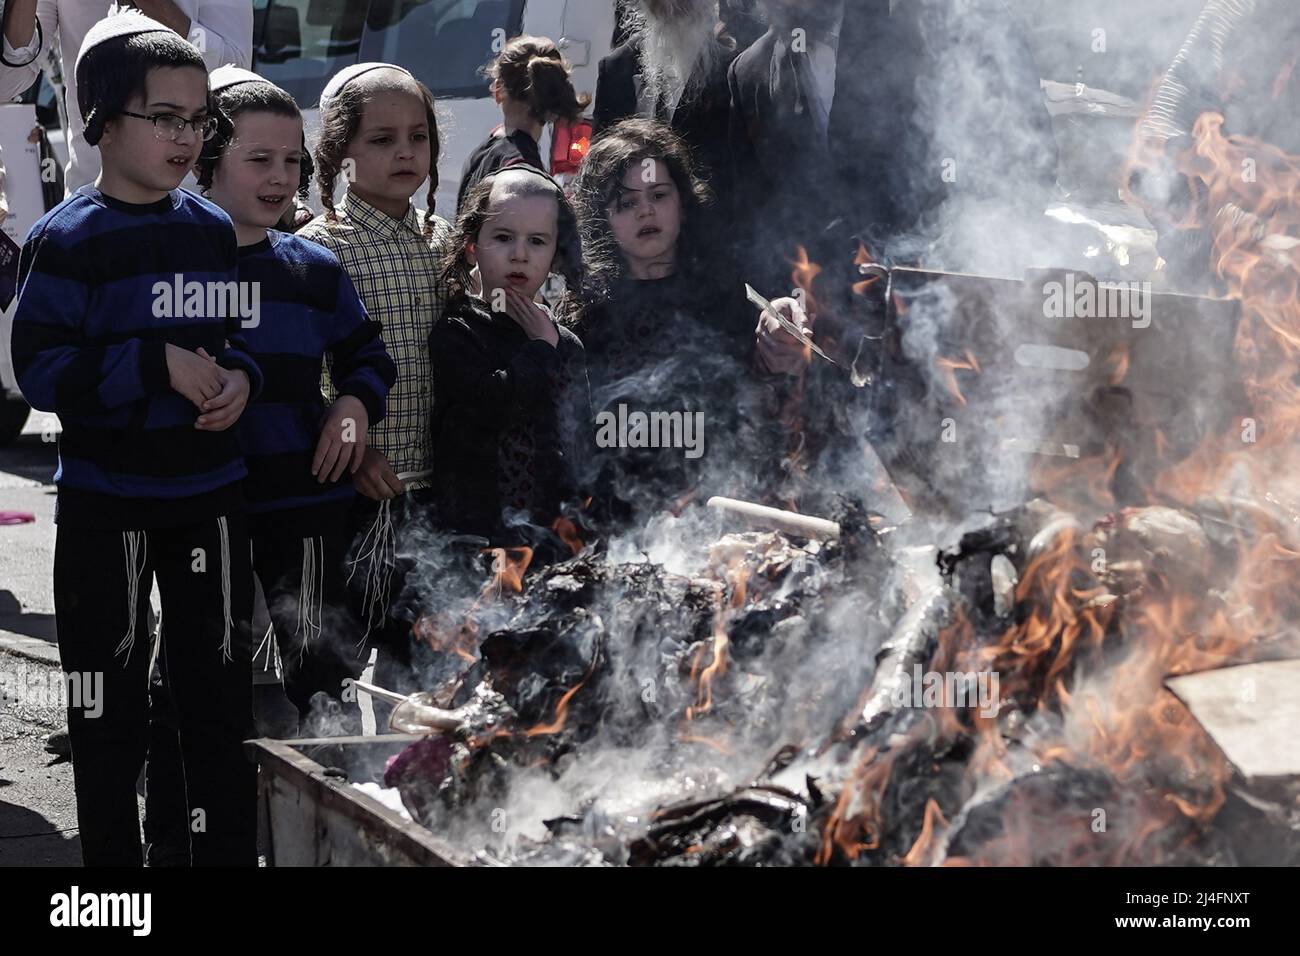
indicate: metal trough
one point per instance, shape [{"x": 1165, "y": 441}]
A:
[{"x": 309, "y": 814}]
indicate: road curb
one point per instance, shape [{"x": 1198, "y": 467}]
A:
[{"x": 31, "y": 648}]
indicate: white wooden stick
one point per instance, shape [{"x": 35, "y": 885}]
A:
[
  {"x": 375, "y": 691},
  {"x": 790, "y": 522}
]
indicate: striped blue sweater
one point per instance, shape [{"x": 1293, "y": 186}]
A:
[
  {"x": 308, "y": 309},
  {"x": 89, "y": 339}
]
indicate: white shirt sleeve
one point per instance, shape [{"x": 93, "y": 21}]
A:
[
  {"x": 15, "y": 79},
  {"x": 223, "y": 32}
]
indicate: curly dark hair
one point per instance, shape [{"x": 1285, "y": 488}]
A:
[
  {"x": 532, "y": 71},
  {"x": 600, "y": 183},
  {"x": 568, "y": 262},
  {"x": 341, "y": 119},
  {"x": 246, "y": 98},
  {"x": 115, "y": 70}
]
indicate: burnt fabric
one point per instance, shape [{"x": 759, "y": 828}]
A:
[
  {"x": 499, "y": 150},
  {"x": 204, "y": 578},
  {"x": 510, "y": 415}
]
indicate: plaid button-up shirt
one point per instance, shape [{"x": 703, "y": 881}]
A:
[{"x": 394, "y": 267}]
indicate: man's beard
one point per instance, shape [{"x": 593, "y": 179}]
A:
[{"x": 678, "y": 48}]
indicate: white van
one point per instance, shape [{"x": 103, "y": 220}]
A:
[{"x": 300, "y": 44}]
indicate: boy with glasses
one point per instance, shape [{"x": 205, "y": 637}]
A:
[{"x": 149, "y": 469}]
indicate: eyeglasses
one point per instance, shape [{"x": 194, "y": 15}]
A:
[{"x": 170, "y": 126}]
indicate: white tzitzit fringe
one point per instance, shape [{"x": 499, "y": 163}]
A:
[
  {"x": 135, "y": 547},
  {"x": 377, "y": 549},
  {"x": 225, "y": 586},
  {"x": 272, "y": 647},
  {"x": 267, "y": 640},
  {"x": 311, "y": 593}
]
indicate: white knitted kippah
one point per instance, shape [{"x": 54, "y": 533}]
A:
[
  {"x": 231, "y": 75},
  {"x": 118, "y": 23},
  {"x": 349, "y": 73}
]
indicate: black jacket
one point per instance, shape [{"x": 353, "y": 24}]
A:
[
  {"x": 496, "y": 152},
  {"x": 701, "y": 120},
  {"x": 902, "y": 105},
  {"x": 510, "y": 415},
  {"x": 665, "y": 346}
]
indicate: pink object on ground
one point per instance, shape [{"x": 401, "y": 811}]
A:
[{"x": 16, "y": 517}]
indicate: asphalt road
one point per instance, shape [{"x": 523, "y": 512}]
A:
[
  {"x": 27, "y": 550},
  {"x": 38, "y": 815}
]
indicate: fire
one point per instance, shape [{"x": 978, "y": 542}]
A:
[
  {"x": 948, "y": 370},
  {"x": 863, "y": 257},
  {"x": 568, "y": 532},
  {"x": 919, "y": 855},
  {"x": 1094, "y": 631},
  {"x": 441, "y": 635},
  {"x": 791, "y": 412},
  {"x": 1085, "y": 485},
  {"x": 804, "y": 273},
  {"x": 561, "y": 713},
  {"x": 855, "y": 824},
  {"x": 737, "y": 577},
  {"x": 508, "y": 567}
]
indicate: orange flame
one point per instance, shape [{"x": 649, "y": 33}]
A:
[
  {"x": 863, "y": 257},
  {"x": 948, "y": 370},
  {"x": 561, "y": 713},
  {"x": 568, "y": 532},
  {"x": 854, "y": 826},
  {"x": 919, "y": 855},
  {"x": 738, "y": 576},
  {"x": 441, "y": 635},
  {"x": 508, "y": 567}
]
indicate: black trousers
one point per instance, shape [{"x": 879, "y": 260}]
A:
[
  {"x": 299, "y": 560},
  {"x": 380, "y": 599},
  {"x": 102, "y": 581},
  {"x": 298, "y": 557}
]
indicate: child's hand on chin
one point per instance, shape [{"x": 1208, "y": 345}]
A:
[
  {"x": 342, "y": 443},
  {"x": 223, "y": 410},
  {"x": 375, "y": 479},
  {"x": 529, "y": 317}
]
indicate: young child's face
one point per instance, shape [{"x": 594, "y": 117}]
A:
[
  {"x": 155, "y": 163},
  {"x": 646, "y": 218},
  {"x": 258, "y": 174},
  {"x": 516, "y": 245},
  {"x": 390, "y": 150}
]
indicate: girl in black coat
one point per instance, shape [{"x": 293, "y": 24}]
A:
[
  {"x": 511, "y": 405},
  {"x": 667, "y": 332}
]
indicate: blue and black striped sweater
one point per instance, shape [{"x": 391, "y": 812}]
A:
[
  {"x": 89, "y": 339},
  {"x": 309, "y": 309}
]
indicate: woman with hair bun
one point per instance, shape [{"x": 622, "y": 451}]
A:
[{"x": 531, "y": 83}]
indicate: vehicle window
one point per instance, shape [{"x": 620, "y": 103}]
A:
[
  {"x": 445, "y": 43},
  {"x": 299, "y": 44}
]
